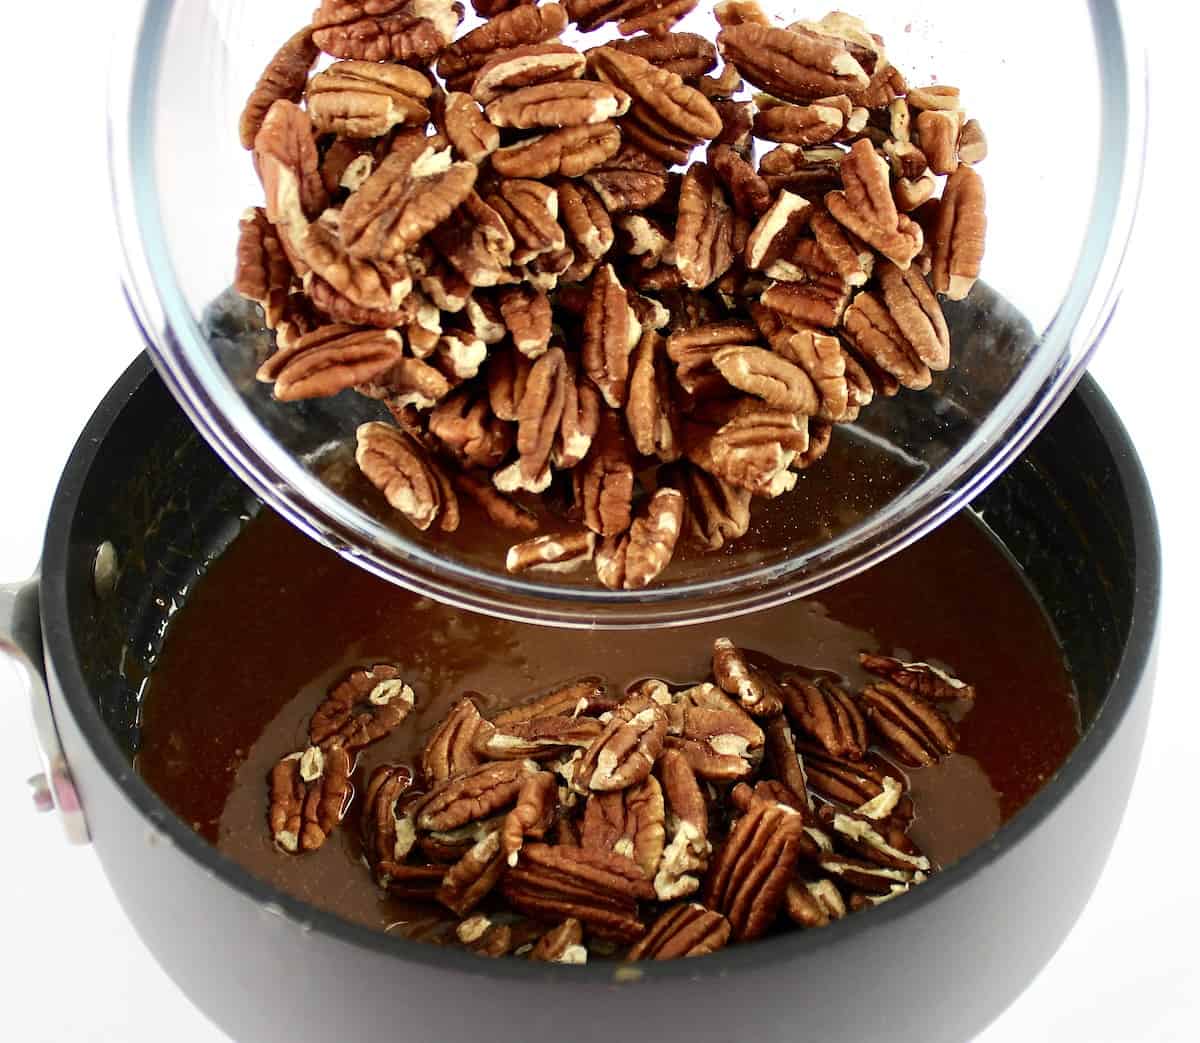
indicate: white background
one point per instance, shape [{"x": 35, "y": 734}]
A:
[{"x": 70, "y": 966}]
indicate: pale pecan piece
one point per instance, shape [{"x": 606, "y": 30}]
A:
[
  {"x": 818, "y": 122},
  {"x": 629, "y": 822},
  {"x": 329, "y": 360},
  {"x": 264, "y": 273},
  {"x": 786, "y": 763},
  {"x": 923, "y": 679},
  {"x": 688, "y": 55},
  {"x": 623, "y": 754},
  {"x": 852, "y": 33},
  {"x": 750, "y": 193},
  {"x": 569, "y": 151},
  {"x": 284, "y": 78},
  {"x": 472, "y": 136},
  {"x": 406, "y": 198},
  {"x": 867, "y": 208},
  {"x": 631, "y": 16},
  {"x": 531, "y": 815},
  {"x": 524, "y": 67},
  {"x": 716, "y": 511},
  {"x": 972, "y": 143},
  {"x": 777, "y": 231},
  {"x": 367, "y": 99},
  {"x": 398, "y": 466},
  {"x": 814, "y": 903},
  {"x": 934, "y": 98},
  {"x": 364, "y": 706},
  {"x": 683, "y": 930},
  {"x": 636, "y": 558},
  {"x": 704, "y": 229},
  {"x": 827, "y": 713},
  {"x": 739, "y": 12},
  {"x": 601, "y": 891},
  {"x": 562, "y": 944},
  {"x": 526, "y": 24},
  {"x": 285, "y": 156},
  {"x": 450, "y": 750},
  {"x": 309, "y": 794},
  {"x": 469, "y": 798},
  {"x": 686, "y": 852},
  {"x": 866, "y": 875},
  {"x": 958, "y": 234},
  {"x": 916, "y": 730},
  {"x": 530, "y": 210},
  {"x": 754, "y": 688},
  {"x": 388, "y": 834},
  {"x": 473, "y": 875},
  {"x": 585, "y": 219},
  {"x": 796, "y": 66},
  {"x": 847, "y": 257},
  {"x": 650, "y": 411},
  {"x": 748, "y": 879},
  {"x": 552, "y": 552},
  {"x": 610, "y": 331},
  {"x": 779, "y": 383},
  {"x": 631, "y": 180},
  {"x": 476, "y": 241},
  {"x": 407, "y": 31},
  {"x": 560, "y": 103},
  {"x": 883, "y": 843},
  {"x": 877, "y": 336}
]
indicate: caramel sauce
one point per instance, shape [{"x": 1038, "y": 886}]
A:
[{"x": 278, "y": 618}]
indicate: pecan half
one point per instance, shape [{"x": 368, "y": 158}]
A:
[
  {"x": 688, "y": 55},
  {"x": 915, "y": 309},
  {"x": 628, "y": 822},
  {"x": 704, "y": 229},
  {"x": 630, "y": 180},
  {"x": 264, "y": 273},
  {"x": 562, "y": 944},
  {"x": 464, "y": 423},
  {"x": 450, "y": 750},
  {"x": 814, "y": 903},
  {"x": 635, "y": 559},
  {"x": 552, "y": 552},
  {"x": 601, "y": 891},
  {"x": 959, "y": 234},
  {"x": 719, "y": 739},
  {"x": 473, "y": 796},
  {"x": 582, "y": 406},
  {"x": 285, "y": 77},
  {"x": 923, "y": 679},
  {"x": 754, "y": 688},
  {"x": 685, "y": 854},
  {"x": 631, "y": 16},
  {"x": 367, "y": 99},
  {"x": 853, "y": 783},
  {"x": 585, "y": 696},
  {"x": 867, "y": 209},
  {"x": 507, "y": 376},
  {"x": 473, "y": 875},
  {"x": 388, "y": 834},
  {"x": 309, "y": 794},
  {"x": 364, "y": 706},
  {"x": 785, "y": 762},
  {"x": 610, "y": 331},
  {"x": 779, "y": 383},
  {"x": 526, "y": 66},
  {"x": 650, "y": 411},
  {"x": 866, "y": 875},
  {"x": 285, "y": 155},
  {"x": 528, "y": 318},
  {"x": 937, "y": 131},
  {"x": 819, "y": 122},
  {"x": 569, "y": 151},
  {"x": 559, "y": 103},
  {"x": 917, "y": 731},
  {"x": 476, "y": 241},
  {"x": 544, "y": 736},
  {"x": 750, "y": 193},
  {"x": 530, "y": 210},
  {"x": 407, "y": 31},
  {"x": 410, "y": 382},
  {"x": 820, "y": 355},
  {"x": 847, "y": 257},
  {"x": 519, "y": 27},
  {"x": 811, "y": 172},
  {"x": 499, "y": 509},
  {"x": 472, "y": 136},
  {"x": 875, "y": 333},
  {"x": 585, "y": 219},
  {"x": 398, "y": 466},
  {"x": 823, "y": 710},
  {"x": 748, "y": 879},
  {"x": 883, "y": 843},
  {"x": 624, "y": 752},
  {"x": 339, "y": 308},
  {"x": 748, "y": 444},
  {"x": 329, "y": 360},
  {"x": 683, "y": 930},
  {"x": 531, "y": 815},
  {"x": 716, "y": 511},
  {"x": 972, "y": 143},
  {"x": 777, "y": 231},
  {"x": 795, "y": 66}
]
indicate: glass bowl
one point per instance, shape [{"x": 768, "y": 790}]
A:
[{"x": 1059, "y": 89}]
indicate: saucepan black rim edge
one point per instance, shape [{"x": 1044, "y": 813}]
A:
[{"x": 61, "y": 652}]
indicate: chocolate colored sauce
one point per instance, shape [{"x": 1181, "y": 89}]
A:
[{"x": 278, "y": 618}]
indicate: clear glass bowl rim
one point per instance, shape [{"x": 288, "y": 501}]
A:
[{"x": 226, "y": 423}]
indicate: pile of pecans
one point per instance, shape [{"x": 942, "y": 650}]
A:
[
  {"x": 658, "y": 823},
  {"x": 499, "y": 237}
]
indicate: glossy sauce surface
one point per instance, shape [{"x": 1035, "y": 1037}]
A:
[{"x": 278, "y": 619}]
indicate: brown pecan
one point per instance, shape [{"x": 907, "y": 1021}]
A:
[
  {"x": 285, "y": 155},
  {"x": 524, "y": 67},
  {"x": 521, "y": 26},
  {"x": 367, "y": 99},
  {"x": 819, "y": 355},
  {"x": 631, "y": 180},
  {"x": 473, "y": 875},
  {"x": 849, "y": 782},
  {"x": 814, "y": 124},
  {"x": 507, "y": 373},
  {"x": 958, "y": 234},
  {"x": 408, "y": 31},
  {"x": 463, "y": 422},
  {"x": 406, "y": 198},
  {"x": 528, "y": 318},
  {"x": 883, "y": 843},
  {"x": 471, "y": 797},
  {"x": 917, "y": 731},
  {"x": 923, "y": 679},
  {"x": 284, "y": 78},
  {"x": 777, "y": 231},
  {"x": 544, "y": 736},
  {"x": 450, "y": 750},
  {"x": 446, "y": 288},
  {"x": 739, "y": 12},
  {"x": 736, "y": 116},
  {"x": 484, "y": 937},
  {"x": 599, "y": 890},
  {"x": 569, "y": 151},
  {"x": 610, "y": 331},
  {"x": 867, "y": 209},
  {"x": 649, "y": 411},
  {"x": 915, "y": 309},
  {"x": 852, "y": 33},
  {"x": 410, "y": 382},
  {"x": 530, "y": 211},
  {"x": 631, "y": 16},
  {"x": 820, "y": 437},
  {"x": 476, "y": 241},
  {"x": 750, "y": 445},
  {"x": 562, "y": 944},
  {"x": 326, "y": 300},
  {"x": 582, "y": 407},
  {"x": 499, "y": 509},
  {"x": 309, "y": 794},
  {"x": 415, "y": 883},
  {"x": 754, "y": 688},
  {"x": 972, "y": 143},
  {"x": 716, "y": 511},
  {"x": 624, "y": 752},
  {"x": 531, "y": 815},
  {"x": 472, "y": 136},
  {"x": 823, "y": 710},
  {"x": 628, "y": 822},
  {"x": 795, "y": 66},
  {"x": 866, "y": 875},
  {"x": 873, "y": 330},
  {"x": 704, "y": 229},
  {"x": 559, "y": 103},
  {"x": 387, "y": 833},
  {"x": 847, "y": 257},
  {"x": 692, "y": 353},
  {"x": 363, "y": 707},
  {"x": 539, "y": 416},
  {"x": 718, "y": 737},
  {"x": 749, "y": 192},
  {"x": 811, "y": 172},
  {"x": 814, "y": 903},
  {"x": 779, "y": 383},
  {"x": 635, "y": 559},
  {"x": 264, "y": 273},
  {"x": 329, "y": 360},
  {"x": 937, "y": 131},
  {"x": 683, "y": 930},
  {"x": 646, "y": 239},
  {"x": 398, "y": 466},
  {"x": 687, "y": 848},
  {"x": 585, "y": 696},
  {"x": 688, "y": 55},
  {"x": 585, "y": 219},
  {"x": 785, "y": 763},
  {"x": 552, "y": 552},
  {"x": 748, "y": 879}
]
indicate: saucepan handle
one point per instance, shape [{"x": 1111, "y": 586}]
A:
[{"x": 21, "y": 644}]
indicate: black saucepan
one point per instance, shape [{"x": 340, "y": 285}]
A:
[{"x": 938, "y": 965}]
